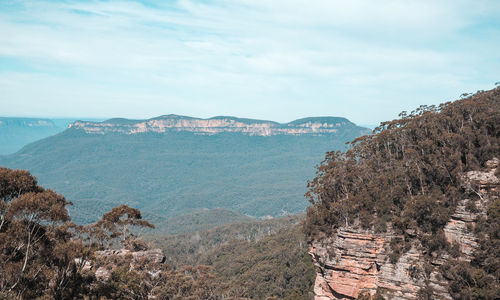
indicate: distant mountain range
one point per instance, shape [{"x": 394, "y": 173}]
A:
[
  {"x": 175, "y": 123},
  {"x": 174, "y": 165},
  {"x": 17, "y": 132}
]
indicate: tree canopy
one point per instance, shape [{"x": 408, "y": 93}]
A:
[
  {"x": 43, "y": 255},
  {"x": 408, "y": 176}
]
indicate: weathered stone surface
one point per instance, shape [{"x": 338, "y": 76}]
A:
[
  {"x": 487, "y": 182},
  {"x": 86, "y": 265},
  {"x": 459, "y": 229},
  {"x": 352, "y": 261},
  {"x": 174, "y": 123},
  {"x": 102, "y": 274},
  {"x": 138, "y": 260},
  {"x": 148, "y": 256}
]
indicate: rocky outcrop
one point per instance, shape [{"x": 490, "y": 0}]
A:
[
  {"x": 174, "y": 123},
  {"x": 458, "y": 230},
  {"x": 138, "y": 260},
  {"x": 353, "y": 261},
  {"x": 483, "y": 183},
  {"x": 148, "y": 256}
]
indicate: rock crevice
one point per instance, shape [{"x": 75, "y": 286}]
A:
[{"x": 353, "y": 261}]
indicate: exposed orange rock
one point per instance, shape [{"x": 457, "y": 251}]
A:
[{"x": 352, "y": 261}]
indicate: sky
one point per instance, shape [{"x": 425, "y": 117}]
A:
[{"x": 278, "y": 60}]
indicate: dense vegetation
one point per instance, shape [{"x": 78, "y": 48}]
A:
[
  {"x": 43, "y": 255},
  {"x": 408, "y": 176},
  {"x": 256, "y": 260},
  {"x": 276, "y": 267},
  {"x": 171, "y": 174},
  {"x": 198, "y": 220},
  {"x": 192, "y": 248}
]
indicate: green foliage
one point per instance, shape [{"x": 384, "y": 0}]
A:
[
  {"x": 44, "y": 256},
  {"x": 123, "y": 284},
  {"x": 199, "y": 220},
  {"x": 410, "y": 167},
  {"x": 428, "y": 211},
  {"x": 469, "y": 282},
  {"x": 37, "y": 248},
  {"x": 367, "y": 296},
  {"x": 256, "y": 260},
  {"x": 409, "y": 174},
  {"x": 274, "y": 266},
  {"x": 192, "y": 283},
  {"x": 191, "y": 248},
  {"x": 172, "y": 174},
  {"x": 479, "y": 279},
  {"x": 116, "y": 223}
]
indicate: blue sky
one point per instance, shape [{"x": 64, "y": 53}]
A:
[{"x": 273, "y": 59}]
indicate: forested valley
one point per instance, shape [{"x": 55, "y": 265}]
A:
[
  {"x": 44, "y": 255},
  {"x": 408, "y": 178}
]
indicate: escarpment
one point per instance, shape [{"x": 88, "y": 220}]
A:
[
  {"x": 412, "y": 211},
  {"x": 184, "y": 164},
  {"x": 354, "y": 261},
  {"x": 174, "y": 123}
]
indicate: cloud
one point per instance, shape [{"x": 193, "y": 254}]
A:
[{"x": 269, "y": 59}]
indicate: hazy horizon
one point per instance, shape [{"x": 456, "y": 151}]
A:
[
  {"x": 118, "y": 117},
  {"x": 279, "y": 60}
]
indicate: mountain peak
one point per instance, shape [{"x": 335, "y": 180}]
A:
[
  {"x": 174, "y": 116},
  {"x": 328, "y": 120}
]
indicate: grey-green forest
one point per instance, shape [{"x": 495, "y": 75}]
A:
[
  {"x": 407, "y": 176},
  {"x": 176, "y": 173},
  {"x": 18, "y": 132}
]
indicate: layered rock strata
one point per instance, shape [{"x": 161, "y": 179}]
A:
[
  {"x": 355, "y": 261},
  {"x": 174, "y": 123}
]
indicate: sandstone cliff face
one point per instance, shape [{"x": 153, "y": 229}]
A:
[
  {"x": 173, "y": 123},
  {"x": 353, "y": 261},
  {"x": 356, "y": 261}
]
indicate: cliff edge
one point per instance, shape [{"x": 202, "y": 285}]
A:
[
  {"x": 353, "y": 261},
  {"x": 413, "y": 210},
  {"x": 175, "y": 123}
]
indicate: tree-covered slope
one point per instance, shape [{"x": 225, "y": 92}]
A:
[
  {"x": 275, "y": 267},
  {"x": 173, "y": 173},
  {"x": 44, "y": 255},
  {"x": 197, "y": 220},
  {"x": 413, "y": 180},
  {"x": 191, "y": 248},
  {"x": 264, "y": 259}
]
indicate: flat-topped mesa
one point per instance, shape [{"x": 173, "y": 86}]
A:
[{"x": 215, "y": 125}]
